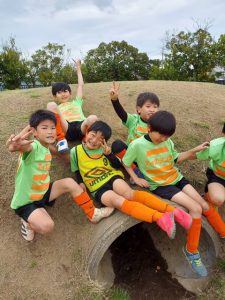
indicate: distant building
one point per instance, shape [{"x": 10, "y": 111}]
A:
[
  {"x": 219, "y": 74},
  {"x": 24, "y": 85}
]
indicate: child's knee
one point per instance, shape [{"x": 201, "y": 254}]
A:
[
  {"x": 70, "y": 184},
  {"x": 196, "y": 211},
  {"x": 52, "y": 106},
  {"x": 129, "y": 194},
  {"x": 91, "y": 119},
  {"x": 218, "y": 199},
  {"x": 47, "y": 226}
]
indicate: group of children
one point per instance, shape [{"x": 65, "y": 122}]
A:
[{"x": 148, "y": 156}]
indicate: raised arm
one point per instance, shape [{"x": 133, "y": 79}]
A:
[
  {"x": 79, "y": 78},
  {"x": 21, "y": 141},
  {"x": 114, "y": 94},
  {"x": 191, "y": 154}
]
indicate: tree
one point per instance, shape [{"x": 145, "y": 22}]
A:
[
  {"x": 220, "y": 51},
  {"x": 12, "y": 65},
  {"x": 48, "y": 63},
  {"x": 68, "y": 74},
  {"x": 192, "y": 55},
  {"x": 116, "y": 61}
]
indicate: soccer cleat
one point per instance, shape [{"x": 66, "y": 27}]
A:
[
  {"x": 100, "y": 213},
  {"x": 62, "y": 146},
  {"x": 26, "y": 231},
  {"x": 166, "y": 223},
  {"x": 183, "y": 218},
  {"x": 195, "y": 261}
]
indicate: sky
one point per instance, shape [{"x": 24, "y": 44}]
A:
[{"x": 83, "y": 24}]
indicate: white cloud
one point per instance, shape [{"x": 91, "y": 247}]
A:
[{"x": 82, "y": 25}]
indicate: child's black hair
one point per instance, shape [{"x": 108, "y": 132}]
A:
[
  {"x": 163, "y": 122},
  {"x": 144, "y": 97},
  {"x": 223, "y": 130},
  {"x": 41, "y": 115},
  {"x": 60, "y": 87},
  {"x": 102, "y": 127}
]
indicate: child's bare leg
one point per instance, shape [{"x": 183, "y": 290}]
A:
[
  {"x": 61, "y": 129},
  {"x": 87, "y": 123},
  {"x": 195, "y": 211},
  {"x": 139, "y": 211},
  {"x": 134, "y": 209},
  {"x": 53, "y": 107},
  {"x": 193, "y": 194},
  {"x": 186, "y": 201},
  {"x": 80, "y": 197},
  {"x": 63, "y": 186},
  {"x": 40, "y": 221},
  {"x": 121, "y": 188},
  {"x": 216, "y": 193},
  {"x": 146, "y": 198}
]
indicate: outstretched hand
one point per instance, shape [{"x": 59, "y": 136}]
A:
[
  {"x": 106, "y": 148},
  {"x": 114, "y": 91},
  {"x": 201, "y": 147},
  {"x": 77, "y": 62},
  {"x": 20, "y": 141}
]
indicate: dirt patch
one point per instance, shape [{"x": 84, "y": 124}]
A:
[
  {"x": 53, "y": 266},
  {"x": 140, "y": 269}
]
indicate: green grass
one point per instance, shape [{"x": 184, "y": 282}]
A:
[
  {"x": 119, "y": 294},
  {"x": 33, "y": 264},
  {"x": 221, "y": 264},
  {"x": 35, "y": 96},
  {"x": 221, "y": 122},
  {"x": 200, "y": 124}
]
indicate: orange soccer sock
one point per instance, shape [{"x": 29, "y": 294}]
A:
[
  {"x": 85, "y": 202},
  {"x": 209, "y": 200},
  {"x": 193, "y": 235},
  {"x": 59, "y": 131},
  {"x": 152, "y": 201},
  {"x": 140, "y": 211},
  {"x": 215, "y": 220}
]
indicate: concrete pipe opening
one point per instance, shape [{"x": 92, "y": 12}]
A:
[{"x": 100, "y": 267}]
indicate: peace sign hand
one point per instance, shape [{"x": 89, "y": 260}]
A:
[
  {"x": 114, "y": 91},
  {"x": 20, "y": 141},
  {"x": 106, "y": 149}
]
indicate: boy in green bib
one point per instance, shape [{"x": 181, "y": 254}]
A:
[
  {"x": 97, "y": 167},
  {"x": 157, "y": 159},
  {"x": 215, "y": 187},
  {"x": 33, "y": 189}
]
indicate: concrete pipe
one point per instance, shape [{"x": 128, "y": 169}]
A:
[{"x": 107, "y": 231}]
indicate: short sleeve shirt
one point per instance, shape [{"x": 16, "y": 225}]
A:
[
  {"x": 156, "y": 162},
  {"x": 72, "y": 111},
  {"x": 32, "y": 178},
  {"x": 136, "y": 127},
  {"x": 216, "y": 153}
]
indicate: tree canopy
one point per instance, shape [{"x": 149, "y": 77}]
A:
[
  {"x": 186, "y": 55},
  {"x": 12, "y": 65},
  {"x": 116, "y": 61},
  {"x": 191, "y": 55}
]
